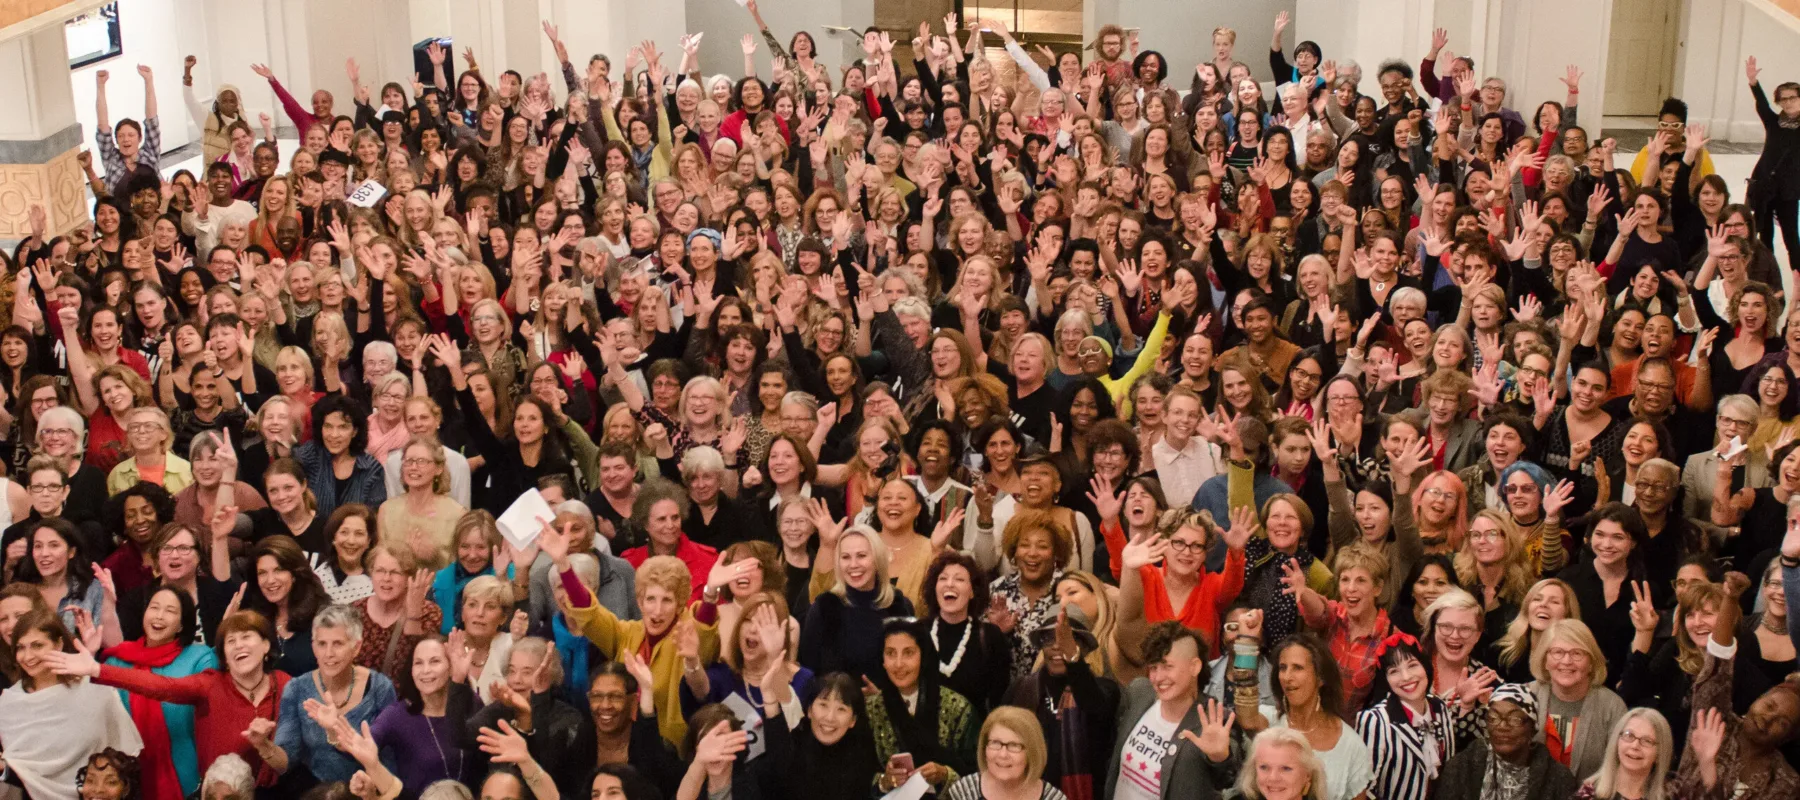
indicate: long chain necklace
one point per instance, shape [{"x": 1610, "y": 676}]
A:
[
  {"x": 962, "y": 647},
  {"x": 442, "y": 758}
]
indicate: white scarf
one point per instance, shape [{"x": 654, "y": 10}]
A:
[{"x": 49, "y": 734}]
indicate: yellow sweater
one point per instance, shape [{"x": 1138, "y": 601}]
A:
[{"x": 614, "y": 636}]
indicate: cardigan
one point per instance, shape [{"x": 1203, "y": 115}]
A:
[
  {"x": 1593, "y": 727},
  {"x": 221, "y": 712}
]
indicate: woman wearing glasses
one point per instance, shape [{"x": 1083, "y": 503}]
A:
[
  {"x": 1579, "y": 711},
  {"x": 1009, "y": 759},
  {"x": 1510, "y": 764},
  {"x": 1637, "y": 760},
  {"x": 149, "y": 436},
  {"x": 1163, "y": 568},
  {"x": 1452, "y": 633}
]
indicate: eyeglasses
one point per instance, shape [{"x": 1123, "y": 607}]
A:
[
  {"x": 419, "y": 462},
  {"x": 1656, "y": 487},
  {"x": 1507, "y": 718},
  {"x": 143, "y": 427},
  {"x": 1565, "y": 654},
  {"x": 44, "y": 488},
  {"x": 1734, "y": 421},
  {"x": 387, "y": 573},
  {"x": 1184, "y": 546},
  {"x": 1110, "y": 452},
  {"x": 1627, "y": 737},
  {"x": 1656, "y": 386},
  {"x": 615, "y": 697},
  {"x": 1010, "y": 747},
  {"x": 1456, "y": 631},
  {"x": 1482, "y": 536},
  {"x": 1520, "y": 488},
  {"x": 180, "y": 549},
  {"x": 1669, "y": 126},
  {"x": 56, "y": 431},
  {"x": 1439, "y": 494}
]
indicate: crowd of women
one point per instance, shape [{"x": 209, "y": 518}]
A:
[{"x": 909, "y": 430}]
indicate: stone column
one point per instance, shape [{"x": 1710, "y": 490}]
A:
[{"x": 39, "y": 136}]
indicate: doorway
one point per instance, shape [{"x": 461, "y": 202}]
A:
[{"x": 1640, "y": 60}]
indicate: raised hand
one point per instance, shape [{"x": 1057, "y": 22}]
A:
[
  {"x": 1106, "y": 501},
  {"x": 1216, "y": 723},
  {"x": 1643, "y": 613},
  {"x": 1144, "y": 550},
  {"x": 1243, "y": 526},
  {"x": 946, "y": 528}
]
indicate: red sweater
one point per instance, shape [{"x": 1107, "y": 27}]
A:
[{"x": 221, "y": 713}]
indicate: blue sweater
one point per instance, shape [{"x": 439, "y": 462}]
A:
[
  {"x": 446, "y": 591},
  {"x": 304, "y": 740},
  {"x": 179, "y": 717}
]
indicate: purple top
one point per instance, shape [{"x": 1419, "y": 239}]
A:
[{"x": 418, "y": 749}]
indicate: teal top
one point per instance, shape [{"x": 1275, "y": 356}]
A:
[{"x": 178, "y": 717}]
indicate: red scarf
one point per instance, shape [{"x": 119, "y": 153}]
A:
[{"x": 157, "y": 758}]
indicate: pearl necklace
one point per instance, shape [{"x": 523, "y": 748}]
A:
[{"x": 962, "y": 647}]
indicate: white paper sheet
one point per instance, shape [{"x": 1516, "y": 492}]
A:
[
  {"x": 914, "y": 788},
  {"x": 525, "y": 519}
]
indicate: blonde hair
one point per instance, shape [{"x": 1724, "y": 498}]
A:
[
  {"x": 1570, "y": 631},
  {"x": 878, "y": 552},
  {"x": 1025, "y": 725},
  {"x": 1516, "y": 569},
  {"x": 669, "y": 573},
  {"x": 1283, "y": 737},
  {"x": 1517, "y": 641}
]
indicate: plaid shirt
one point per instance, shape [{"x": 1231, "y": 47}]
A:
[
  {"x": 150, "y": 154},
  {"x": 1355, "y": 657}
]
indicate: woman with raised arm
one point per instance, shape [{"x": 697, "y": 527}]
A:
[
  {"x": 397, "y": 615},
  {"x": 229, "y": 702},
  {"x": 841, "y": 630},
  {"x": 314, "y": 703},
  {"x": 1181, "y": 588},
  {"x": 1740, "y": 754},
  {"x": 667, "y": 633}
]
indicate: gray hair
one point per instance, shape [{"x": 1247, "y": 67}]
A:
[
  {"x": 1656, "y": 787},
  {"x": 205, "y": 444},
  {"x": 576, "y": 508},
  {"x": 803, "y": 399},
  {"x": 232, "y": 770},
  {"x": 1407, "y": 294},
  {"x": 586, "y": 567},
  {"x": 700, "y": 460},
  {"x": 1741, "y": 403},
  {"x": 539, "y": 648},
  {"x": 341, "y": 617},
  {"x": 912, "y": 306},
  {"x": 65, "y": 415},
  {"x": 381, "y": 348},
  {"x": 446, "y": 789},
  {"x": 1282, "y": 737}
]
